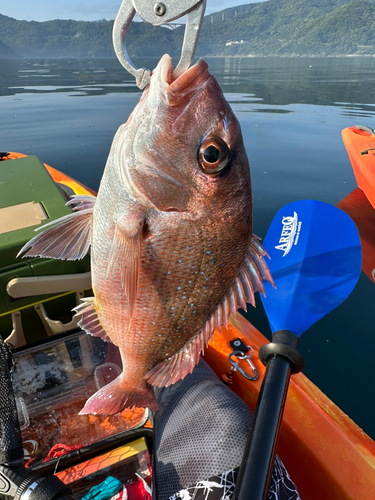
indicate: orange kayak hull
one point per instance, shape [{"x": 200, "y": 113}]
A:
[
  {"x": 360, "y": 145},
  {"x": 326, "y": 454},
  {"x": 362, "y": 212}
]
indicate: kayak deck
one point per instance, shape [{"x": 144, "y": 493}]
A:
[{"x": 326, "y": 454}]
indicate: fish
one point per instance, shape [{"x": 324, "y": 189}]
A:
[{"x": 169, "y": 235}]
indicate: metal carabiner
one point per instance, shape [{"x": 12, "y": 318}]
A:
[
  {"x": 157, "y": 14},
  {"x": 236, "y": 366}
]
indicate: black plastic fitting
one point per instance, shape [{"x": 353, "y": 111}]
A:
[{"x": 283, "y": 344}]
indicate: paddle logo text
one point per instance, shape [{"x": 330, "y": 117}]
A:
[{"x": 289, "y": 233}]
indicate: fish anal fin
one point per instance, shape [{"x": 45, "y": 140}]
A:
[
  {"x": 114, "y": 398},
  {"x": 67, "y": 238},
  {"x": 176, "y": 368},
  {"x": 89, "y": 321}
]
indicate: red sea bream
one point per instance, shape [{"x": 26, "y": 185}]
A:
[{"x": 172, "y": 249}]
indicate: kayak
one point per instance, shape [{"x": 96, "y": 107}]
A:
[
  {"x": 360, "y": 203},
  {"x": 359, "y": 142},
  {"x": 326, "y": 454},
  {"x": 359, "y": 208},
  {"x": 58, "y": 177}
]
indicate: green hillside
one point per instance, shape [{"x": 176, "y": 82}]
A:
[
  {"x": 349, "y": 29},
  {"x": 270, "y": 28},
  {"x": 69, "y": 38},
  {"x": 5, "y": 51},
  {"x": 293, "y": 28}
]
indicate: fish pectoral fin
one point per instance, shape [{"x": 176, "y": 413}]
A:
[
  {"x": 89, "y": 321},
  {"x": 114, "y": 397},
  {"x": 67, "y": 238},
  {"x": 125, "y": 257}
]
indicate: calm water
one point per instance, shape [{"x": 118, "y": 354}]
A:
[{"x": 291, "y": 111}]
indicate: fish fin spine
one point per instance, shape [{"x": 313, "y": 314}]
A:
[
  {"x": 67, "y": 238},
  {"x": 249, "y": 278},
  {"x": 89, "y": 321},
  {"x": 113, "y": 398},
  {"x": 257, "y": 253}
]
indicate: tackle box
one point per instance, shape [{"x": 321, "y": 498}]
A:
[
  {"x": 30, "y": 198},
  {"x": 99, "y": 457},
  {"x": 52, "y": 381}
]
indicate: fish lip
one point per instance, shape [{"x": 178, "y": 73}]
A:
[
  {"x": 172, "y": 87},
  {"x": 191, "y": 74},
  {"x": 165, "y": 67}
]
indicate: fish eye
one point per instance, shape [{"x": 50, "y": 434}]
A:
[{"x": 213, "y": 155}]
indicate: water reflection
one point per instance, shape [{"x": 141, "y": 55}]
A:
[
  {"x": 90, "y": 77},
  {"x": 281, "y": 81},
  {"x": 275, "y": 81}
]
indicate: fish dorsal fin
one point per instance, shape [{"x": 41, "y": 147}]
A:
[
  {"x": 248, "y": 281},
  {"x": 67, "y": 238},
  {"x": 89, "y": 321}
]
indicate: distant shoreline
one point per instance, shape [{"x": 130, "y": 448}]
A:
[{"x": 210, "y": 56}]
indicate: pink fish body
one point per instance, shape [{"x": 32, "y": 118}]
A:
[{"x": 172, "y": 250}]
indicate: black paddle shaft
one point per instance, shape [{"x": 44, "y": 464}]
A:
[{"x": 282, "y": 359}]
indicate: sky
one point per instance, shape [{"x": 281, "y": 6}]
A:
[{"x": 83, "y": 10}]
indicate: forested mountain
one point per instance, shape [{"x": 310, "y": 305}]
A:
[
  {"x": 5, "y": 51},
  {"x": 69, "y": 38},
  {"x": 295, "y": 27},
  {"x": 270, "y": 28}
]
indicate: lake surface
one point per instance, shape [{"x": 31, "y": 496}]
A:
[{"x": 291, "y": 112}]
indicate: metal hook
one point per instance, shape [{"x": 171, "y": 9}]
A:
[
  {"x": 160, "y": 13},
  {"x": 236, "y": 366}
]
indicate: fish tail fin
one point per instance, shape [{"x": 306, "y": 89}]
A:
[
  {"x": 114, "y": 398},
  {"x": 67, "y": 238}
]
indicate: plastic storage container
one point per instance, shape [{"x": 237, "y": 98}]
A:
[{"x": 52, "y": 382}]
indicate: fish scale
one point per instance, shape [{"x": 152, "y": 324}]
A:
[{"x": 172, "y": 250}]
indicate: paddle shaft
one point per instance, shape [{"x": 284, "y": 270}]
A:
[
  {"x": 281, "y": 359},
  {"x": 255, "y": 471}
]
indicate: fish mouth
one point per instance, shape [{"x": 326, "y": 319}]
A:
[{"x": 177, "y": 89}]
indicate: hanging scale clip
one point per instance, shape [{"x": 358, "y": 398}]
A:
[{"x": 158, "y": 13}]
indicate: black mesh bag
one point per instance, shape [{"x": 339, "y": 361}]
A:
[
  {"x": 10, "y": 435},
  {"x": 201, "y": 429}
]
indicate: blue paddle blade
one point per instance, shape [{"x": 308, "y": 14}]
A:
[{"x": 315, "y": 262}]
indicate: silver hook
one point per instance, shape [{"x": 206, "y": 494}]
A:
[
  {"x": 236, "y": 366},
  {"x": 160, "y": 13}
]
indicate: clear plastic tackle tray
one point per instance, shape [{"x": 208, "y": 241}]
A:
[{"x": 52, "y": 382}]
